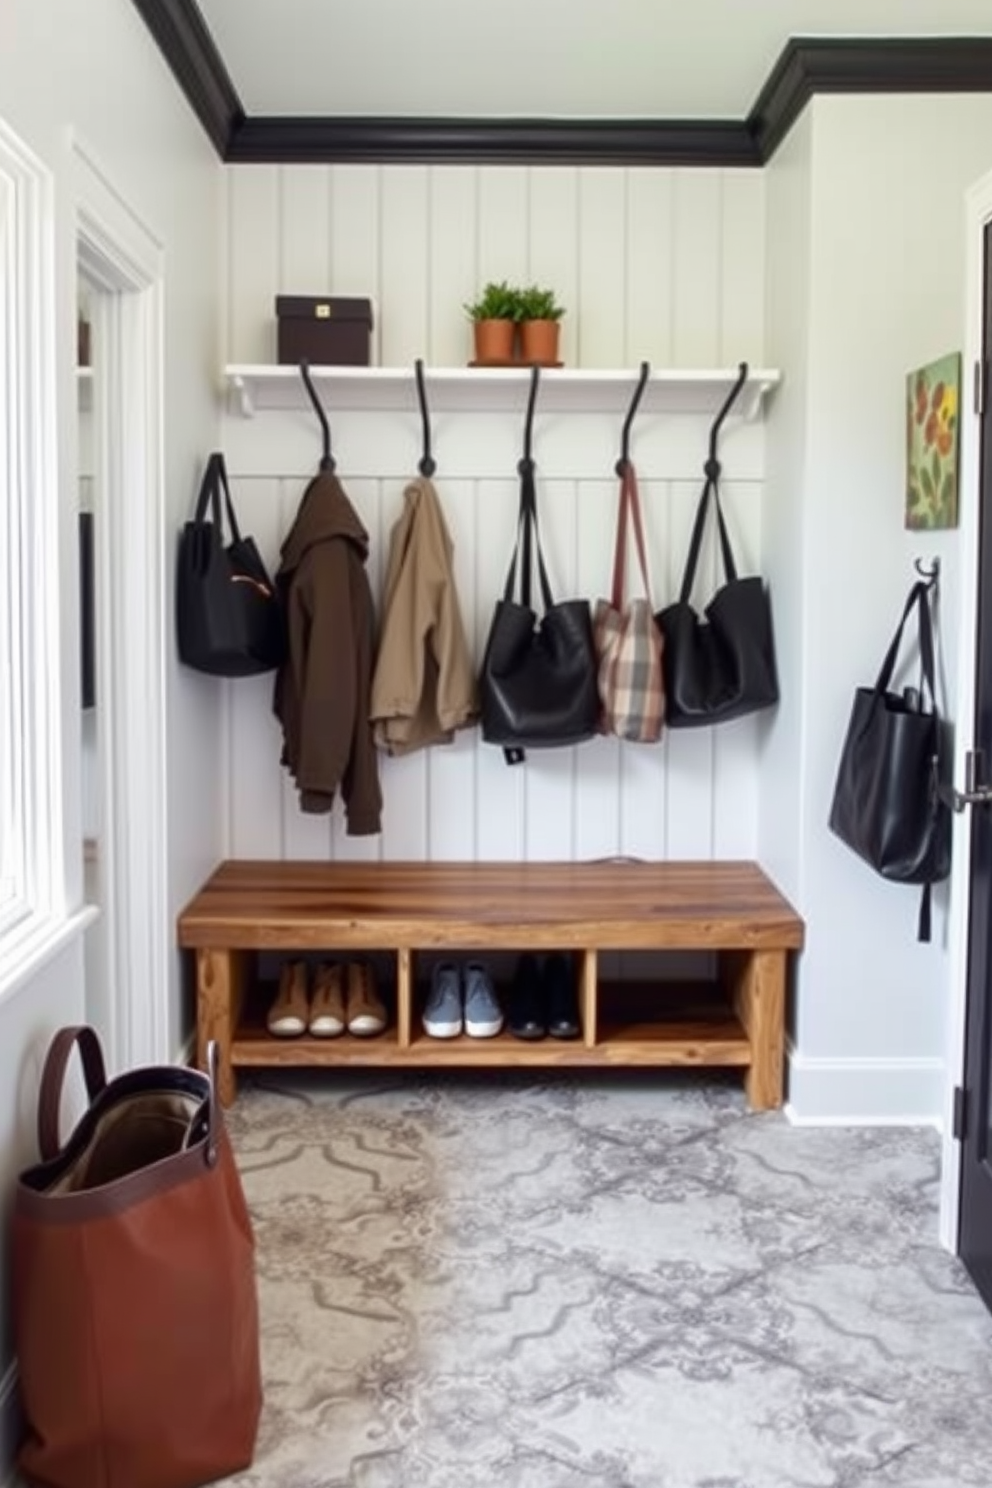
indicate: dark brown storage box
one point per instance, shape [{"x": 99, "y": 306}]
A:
[{"x": 328, "y": 332}]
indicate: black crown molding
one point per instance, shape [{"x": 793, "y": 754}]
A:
[
  {"x": 807, "y": 66},
  {"x": 934, "y": 64},
  {"x": 493, "y": 141},
  {"x": 198, "y": 67}
]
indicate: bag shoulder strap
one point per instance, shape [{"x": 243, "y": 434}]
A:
[
  {"x": 53, "y": 1078},
  {"x": 918, "y": 599},
  {"x": 213, "y": 483},
  {"x": 529, "y": 538},
  {"x": 629, "y": 502},
  {"x": 710, "y": 489}
]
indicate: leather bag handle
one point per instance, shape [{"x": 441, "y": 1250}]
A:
[
  {"x": 629, "y": 502},
  {"x": 213, "y": 483},
  {"x": 917, "y": 599},
  {"x": 53, "y": 1079},
  {"x": 711, "y": 488},
  {"x": 529, "y": 535}
]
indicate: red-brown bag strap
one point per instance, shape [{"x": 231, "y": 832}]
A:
[
  {"x": 53, "y": 1078},
  {"x": 629, "y": 498}
]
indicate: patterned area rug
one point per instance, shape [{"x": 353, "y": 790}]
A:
[{"x": 573, "y": 1283}]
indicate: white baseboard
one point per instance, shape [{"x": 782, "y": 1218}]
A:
[
  {"x": 11, "y": 1426},
  {"x": 865, "y": 1092}
]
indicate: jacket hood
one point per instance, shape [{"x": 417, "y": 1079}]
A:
[{"x": 324, "y": 513}]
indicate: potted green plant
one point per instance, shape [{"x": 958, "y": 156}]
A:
[
  {"x": 494, "y": 319},
  {"x": 539, "y": 314}
]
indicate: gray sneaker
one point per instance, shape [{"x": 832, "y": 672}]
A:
[
  {"x": 443, "y": 1012},
  {"x": 483, "y": 1014}
]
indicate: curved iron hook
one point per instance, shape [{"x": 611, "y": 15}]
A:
[
  {"x": 327, "y": 461},
  {"x": 713, "y": 464},
  {"x": 527, "y": 461},
  {"x": 642, "y": 382},
  {"x": 427, "y": 464},
  {"x": 930, "y": 574}
]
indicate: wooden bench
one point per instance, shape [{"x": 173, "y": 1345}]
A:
[{"x": 405, "y": 909}]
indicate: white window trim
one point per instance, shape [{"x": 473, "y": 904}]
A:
[{"x": 33, "y": 904}]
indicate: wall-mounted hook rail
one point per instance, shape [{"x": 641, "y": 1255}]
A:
[
  {"x": 427, "y": 465},
  {"x": 713, "y": 464},
  {"x": 327, "y": 461},
  {"x": 642, "y": 382}
]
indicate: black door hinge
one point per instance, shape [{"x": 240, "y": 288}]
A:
[{"x": 958, "y": 1119}]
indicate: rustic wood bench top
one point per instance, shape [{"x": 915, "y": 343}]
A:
[{"x": 255, "y": 905}]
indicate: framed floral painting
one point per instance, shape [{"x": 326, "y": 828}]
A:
[{"x": 933, "y": 397}]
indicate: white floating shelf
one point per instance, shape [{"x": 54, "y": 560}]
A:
[{"x": 251, "y": 389}]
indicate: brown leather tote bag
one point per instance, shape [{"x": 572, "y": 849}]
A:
[{"x": 134, "y": 1295}]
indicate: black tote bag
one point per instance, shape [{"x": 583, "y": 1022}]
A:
[
  {"x": 722, "y": 666},
  {"x": 538, "y": 682},
  {"x": 887, "y": 804},
  {"x": 228, "y": 616}
]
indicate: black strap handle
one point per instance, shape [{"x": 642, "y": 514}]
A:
[
  {"x": 918, "y": 599},
  {"x": 212, "y": 486},
  {"x": 529, "y": 539},
  {"x": 710, "y": 490},
  {"x": 642, "y": 382},
  {"x": 53, "y": 1079}
]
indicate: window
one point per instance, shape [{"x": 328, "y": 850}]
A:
[{"x": 31, "y": 885}]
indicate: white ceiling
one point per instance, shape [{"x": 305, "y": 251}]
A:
[{"x": 551, "y": 58}]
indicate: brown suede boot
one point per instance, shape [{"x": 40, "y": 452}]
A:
[
  {"x": 327, "y": 1015},
  {"x": 289, "y": 1013},
  {"x": 365, "y": 1011}
]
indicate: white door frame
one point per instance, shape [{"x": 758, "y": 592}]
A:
[
  {"x": 978, "y": 213},
  {"x": 122, "y": 257}
]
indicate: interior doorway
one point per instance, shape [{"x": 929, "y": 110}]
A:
[{"x": 121, "y": 272}]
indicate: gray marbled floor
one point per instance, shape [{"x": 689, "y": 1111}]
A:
[{"x": 567, "y": 1283}]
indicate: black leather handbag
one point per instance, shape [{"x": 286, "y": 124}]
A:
[
  {"x": 228, "y": 617},
  {"x": 722, "y": 666},
  {"x": 887, "y": 804},
  {"x": 538, "y": 682}
]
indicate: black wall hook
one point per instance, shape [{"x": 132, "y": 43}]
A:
[
  {"x": 713, "y": 464},
  {"x": 327, "y": 462},
  {"x": 930, "y": 573},
  {"x": 642, "y": 382},
  {"x": 527, "y": 462},
  {"x": 426, "y": 466}
]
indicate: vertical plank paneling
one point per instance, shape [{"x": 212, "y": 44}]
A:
[
  {"x": 503, "y": 232},
  {"x": 405, "y": 278},
  {"x": 553, "y": 248},
  {"x": 500, "y": 788},
  {"x": 735, "y": 744},
  {"x": 304, "y": 835},
  {"x": 597, "y": 764},
  {"x": 666, "y": 265},
  {"x": 550, "y": 773},
  {"x": 452, "y": 263},
  {"x": 689, "y": 804},
  {"x": 253, "y": 733},
  {"x": 355, "y": 238},
  {"x": 696, "y": 247},
  {"x": 602, "y": 317},
  {"x": 650, "y": 303},
  {"x": 368, "y": 498},
  {"x": 742, "y": 297},
  {"x": 305, "y": 230},
  {"x": 451, "y": 767},
  {"x": 253, "y": 270}
]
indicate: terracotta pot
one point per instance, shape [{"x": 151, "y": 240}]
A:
[
  {"x": 539, "y": 341},
  {"x": 494, "y": 341}
]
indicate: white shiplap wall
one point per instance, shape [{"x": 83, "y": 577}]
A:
[{"x": 666, "y": 265}]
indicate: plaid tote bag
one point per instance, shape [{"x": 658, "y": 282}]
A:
[{"x": 628, "y": 642}]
